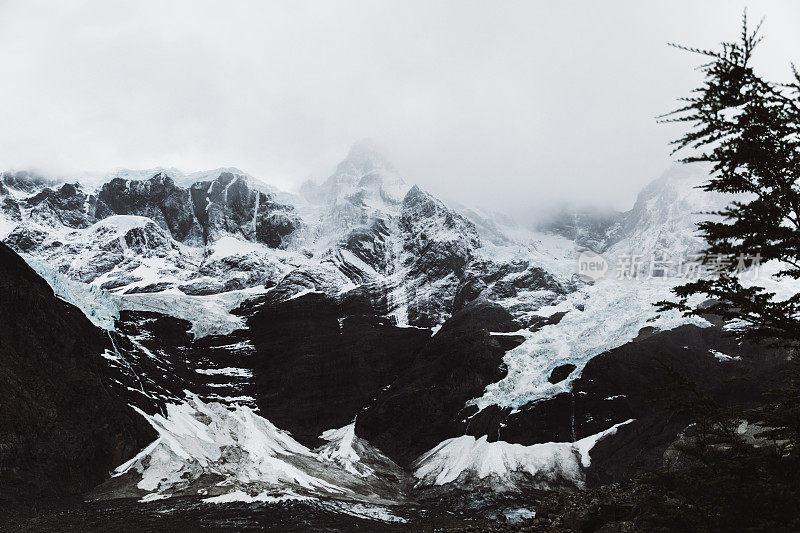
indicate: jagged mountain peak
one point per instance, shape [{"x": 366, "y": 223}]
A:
[
  {"x": 420, "y": 204},
  {"x": 27, "y": 180},
  {"x": 415, "y": 190},
  {"x": 664, "y": 219},
  {"x": 178, "y": 176},
  {"x": 365, "y": 174},
  {"x": 368, "y": 156}
]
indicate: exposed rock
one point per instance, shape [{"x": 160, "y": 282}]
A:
[
  {"x": 153, "y": 365},
  {"x": 62, "y": 425},
  {"x": 25, "y": 238},
  {"x": 101, "y": 263},
  {"x": 246, "y": 270},
  {"x": 438, "y": 243},
  {"x": 158, "y": 198},
  {"x": 641, "y": 380},
  {"x": 538, "y": 322},
  {"x": 153, "y": 287},
  {"x": 9, "y": 207},
  {"x": 317, "y": 363},
  {"x": 202, "y": 287},
  {"x": 560, "y": 373},
  {"x": 372, "y": 245},
  {"x": 608, "y": 509},
  {"x": 228, "y": 205},
  {"x": 520, "y": 285},
  {"x": 425, "y": 404},
  {"x": 324, "y": 278},
  {"x": 118, "y": 282},
  {"x": 65, "y": 206}
]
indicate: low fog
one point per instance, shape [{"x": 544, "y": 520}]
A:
[{"x": 508, "y": 106}]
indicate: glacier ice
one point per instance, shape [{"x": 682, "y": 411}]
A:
[
  {"x": 611, "y": 313},
  {"x": 98, "y": 305}
]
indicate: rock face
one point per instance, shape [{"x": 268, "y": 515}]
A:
[
  {"x": 318, "y": 362},
  {"x": 25, "y": 238},
  {"x": 203, "y": 213},
  {"x": 10, "y": 208},
  {"x": 518, "y": 284},
  {"x": 425, "y": 404},
  {"x": 229, "y": 205},
  {"x": 158, "y": 198},
  {"x": 63, "y": 427},
  {"x": 644, "y": 380},
  {"x": 65, "y": 206},
  {"x": 362, "y": 229},
  {"x": 332, "y": 335},
  {"x": 438, "y": 244}
]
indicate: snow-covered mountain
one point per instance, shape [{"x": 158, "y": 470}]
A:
[
  {"x": 361, "y": 229},
  {"x": 363, "y": 342}
]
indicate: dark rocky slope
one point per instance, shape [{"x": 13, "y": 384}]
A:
[
  {"x": 158, "y": 198},
  {"x": 425, "y": 405},
  {"x": 646, "y": 380},
  {"x": 62, "y": 426},
  {"x": 208, "y": 209},
  {"x": 438, "y": 244},
  {"x": 318, "y": 362}
]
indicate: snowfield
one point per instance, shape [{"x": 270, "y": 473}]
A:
[
  {"x": 198, "y": 440},
  {"x": 230, "y": 453}
]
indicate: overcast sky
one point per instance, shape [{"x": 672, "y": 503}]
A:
[{"x": 489, "y": 103}]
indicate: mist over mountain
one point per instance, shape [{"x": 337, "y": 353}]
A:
[
  {"x": 510, "y": 109},
  {"x": 371, "y": 266},
  {"x": 450, "y": 334}
]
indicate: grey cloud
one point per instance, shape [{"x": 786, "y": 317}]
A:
[{"x": 513, "y": 105}]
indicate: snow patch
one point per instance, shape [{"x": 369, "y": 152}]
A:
[
  {"x": 262, "y": 497},
  {"x": 723, "y": 357},
  {"x": 227, "y": 371},
  {"x": 229, "y": 245},
  {"x": 340, "y": 450},
  {"x": 209, "y": 441},
  {"x": 549, "y": 462}
]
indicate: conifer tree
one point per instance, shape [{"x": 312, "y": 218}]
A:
[{"x": 748, "y": 129}]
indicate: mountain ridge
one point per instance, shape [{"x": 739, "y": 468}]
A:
[{"x": 401, "y": 327}]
